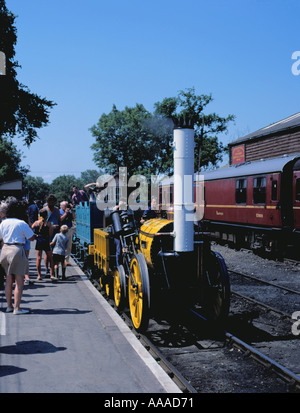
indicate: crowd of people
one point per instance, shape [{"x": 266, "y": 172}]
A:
[{"x": 50, "y": 226}]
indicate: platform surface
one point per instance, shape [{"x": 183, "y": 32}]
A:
[{"x": 72, "y": 342}]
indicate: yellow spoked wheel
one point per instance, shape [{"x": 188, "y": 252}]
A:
[
  {"x": 139, "y": 292},
  {"x": 120, "y": 287}
]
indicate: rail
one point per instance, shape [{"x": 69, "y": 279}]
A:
[{"x": 284, "y": 373}]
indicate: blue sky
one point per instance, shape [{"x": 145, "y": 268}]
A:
[{"x": 87, "y": 56}]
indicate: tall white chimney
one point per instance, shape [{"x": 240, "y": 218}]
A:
[{"x": 183, "y": 189}]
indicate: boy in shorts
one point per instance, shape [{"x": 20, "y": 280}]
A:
[{"x": 59, "y": 245}]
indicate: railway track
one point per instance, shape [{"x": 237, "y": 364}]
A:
[
  {"x": 202, "y": 358},
  {"x": 273, "y": 296},
  {"x": 270, "y": 308}
]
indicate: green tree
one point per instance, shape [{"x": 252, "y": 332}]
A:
[
  {"x": 89, "y": 176},
  {"x": 128, "y": 138},
  {"x": 142, "y": 141},
  {"x": 36, "y": 188},
  {"x": 189, "y": 107},
  {"x": 21, "y": 112},
  {"x": 10, "y": 161},
  {"x": 61, "y": 187}
]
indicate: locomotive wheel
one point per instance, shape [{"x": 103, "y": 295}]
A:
[
  {"x": 139, "y": 292},
  {"x": 217, "y": 289},
  {"x": 120, "y": 287}
]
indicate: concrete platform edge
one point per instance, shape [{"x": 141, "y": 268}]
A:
[{"x": 163, "y": 378}]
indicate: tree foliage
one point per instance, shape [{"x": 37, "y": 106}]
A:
[
  {"x": 10, "y": 161},
  {"x": 35, "y": 188},
  {"x": 142, "y": 141},
  {"x": 21, "y": 112},
  {"x": 61, "y": 187},
  {"x": 89, "y": 176},
  {"x": 189, "y": 107},
  {"x": 124, "y": 139}
]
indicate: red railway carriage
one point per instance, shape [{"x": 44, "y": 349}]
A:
[
  {"x": 256, "y": 204},
  {"x": 248, "y": 194},
  {"x": 244, "y": 200}
]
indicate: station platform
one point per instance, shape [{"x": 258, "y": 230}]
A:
[{"x": 72, "y": 342}]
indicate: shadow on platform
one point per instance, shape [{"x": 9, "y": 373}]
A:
[{"x": 30, "y": 347}]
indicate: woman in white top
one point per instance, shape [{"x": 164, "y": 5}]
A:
[{"x": 14, "y": 232}]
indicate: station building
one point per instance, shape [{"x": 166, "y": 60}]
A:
[
  {"x": 277, "y": 139},
  {"x": 11, "y": 188}
]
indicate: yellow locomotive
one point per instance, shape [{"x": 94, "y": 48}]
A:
[{"x": 139, "y": 265}]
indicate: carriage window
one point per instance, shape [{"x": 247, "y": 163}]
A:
[
  {"x": 298, "y": 189},
  {"x": 259, "y": 190},
  {"x": 274, "y": 196},
  {"x": 241, "y": 191}
]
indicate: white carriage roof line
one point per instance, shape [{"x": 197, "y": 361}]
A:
[{"x": 260, "y": 167}]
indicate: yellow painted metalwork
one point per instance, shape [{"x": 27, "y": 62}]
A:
[
  {"x": 135, "y": 294},
  {"x": 147, "y": 236},
  {"x": 101, "y": 250},
  {"x": 117, "y": 288}
]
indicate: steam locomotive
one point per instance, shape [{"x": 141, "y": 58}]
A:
[{"x": 141, "y": 265}]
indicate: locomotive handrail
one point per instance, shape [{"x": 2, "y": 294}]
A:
[{"x": 172, "y": 234}]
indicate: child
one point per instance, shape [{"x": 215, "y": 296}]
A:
[{"x": 60, "y": 243}]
